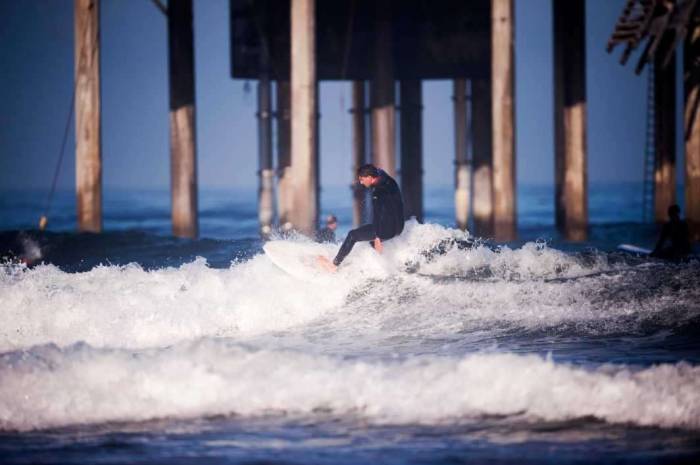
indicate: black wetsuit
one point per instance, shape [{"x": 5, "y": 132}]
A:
[
  {"x": 326, "y": 235},
  {"x": 387, "y": 216},
  {"x": 677, "y": 232}
]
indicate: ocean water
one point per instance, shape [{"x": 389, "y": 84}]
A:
[{"x": 132, "y": 346}]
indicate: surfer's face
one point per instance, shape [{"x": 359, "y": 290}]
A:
[{"x": 366, "y": 181}]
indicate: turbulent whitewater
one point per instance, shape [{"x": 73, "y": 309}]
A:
[{"x": 427, "y": 333}]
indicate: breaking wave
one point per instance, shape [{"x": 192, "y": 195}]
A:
[
  {"x": 49, "y": 387},
  {"x": 121, "y": 343},
  {"x": 403, "y": 292}
]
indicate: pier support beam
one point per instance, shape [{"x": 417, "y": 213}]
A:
[
  {"x": 412, "y": 148},
  {"x": 462, "y": 168},
  {"x": 183, "y": 152},
  {"x": 359, "y": 155},
  {"x": 503, "y": 77},
  {"x": 665, "y": 137},
  {"x": 266, "y": 207},
  {"x": 304, "y": 123},
  {"x": 383, "y": 93},
  {"x": 482, "y": 158},
  {"x": 88, "y": 126},
  {"x": 691, "y": 114},
  {"x": 570, "y": 166},
  {"x": 284, "y": 156}
]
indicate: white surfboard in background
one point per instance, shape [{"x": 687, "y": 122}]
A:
[{"x": 633, "y": 249}]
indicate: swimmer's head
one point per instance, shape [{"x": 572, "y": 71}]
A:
[
  {"x": 674, "y": 212},
  {"x": 331, "y": 222}
]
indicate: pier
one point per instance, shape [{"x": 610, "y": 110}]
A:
[{"x": 384, "y": 50}]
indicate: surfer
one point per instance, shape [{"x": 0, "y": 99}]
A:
[
  {"x": 327, "y": 233},
  {"x": 675, "y": 230},
  {"x": 387, "y": 215}
]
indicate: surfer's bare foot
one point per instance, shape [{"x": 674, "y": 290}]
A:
[{"x": 326, "y": 264}]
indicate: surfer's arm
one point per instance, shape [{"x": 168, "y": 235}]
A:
[{"x": 376, "y": 211}]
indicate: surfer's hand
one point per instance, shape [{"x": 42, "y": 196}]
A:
[
  {"x": 378, "y": 245},
  {"x": 326, "y": 264}
]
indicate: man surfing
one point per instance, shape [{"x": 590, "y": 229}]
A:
[{"x": 387, "y": 215}]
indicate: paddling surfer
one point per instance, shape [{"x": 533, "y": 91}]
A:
[
  {"x": 387, "y": 215},
  {"x": 327, "y": 233}
]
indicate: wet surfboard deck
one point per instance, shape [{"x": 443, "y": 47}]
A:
[{"x": 300, "y": 260}]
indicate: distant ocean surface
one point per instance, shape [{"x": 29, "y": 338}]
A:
[{"x": 133, "y": 346}]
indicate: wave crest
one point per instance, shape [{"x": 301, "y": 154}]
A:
[{"x": 49, "y": 387}]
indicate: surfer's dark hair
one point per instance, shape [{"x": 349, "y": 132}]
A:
[
  {"x": 367, "y": 170},
  {"x": 674, "y": 210}
]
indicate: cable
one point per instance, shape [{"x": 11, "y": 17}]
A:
[{"x": 43, "y": 221}]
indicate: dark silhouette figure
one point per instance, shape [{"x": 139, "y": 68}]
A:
[
  {"x": 676, "y": 231},
  {"x": 327, "y": 233}
]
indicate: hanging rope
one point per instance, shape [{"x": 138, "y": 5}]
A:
[
  {"x": 43, "y": 221},
  {"x": 158, "y": 4}
]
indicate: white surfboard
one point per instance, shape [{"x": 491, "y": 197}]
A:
[
  {"x": 298, "y": 259},
  {"x": 633, "y": 249}
]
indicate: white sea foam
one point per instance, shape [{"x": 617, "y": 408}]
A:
[
  {"x": 130, "y": 307},
  {"x": 47, "y": 387},
  {"x": 373, "y": 298}
]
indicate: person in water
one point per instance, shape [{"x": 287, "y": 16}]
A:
[
  {"x": 675, "y": 230},
  {"x": 327, "y": 233},
  {"x": 387, "y": 214}
]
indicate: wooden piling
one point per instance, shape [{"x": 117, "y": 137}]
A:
[
  {"x": 691, "y": 115},
  {"x": 183, "y": 156},
  {"x": 359, "y": 156},
  {"x": 383, "y": 93},
  {"x": 88, "y": 128},
  {"x": 462, "y": 168},
  {"x": 503, "y": 107},
  {"x": 665, "y": 137},
  {"x": 571, "y": 177},
  {"x": 266, "y": 207},
  {"x": 284, "y": 156},
  {"x": 482, "y": 157},
  {"x": 304, "y": 122},
  {"x": 411, "y": 125}
]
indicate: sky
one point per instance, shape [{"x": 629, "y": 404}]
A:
[{"x": 36, "y": 79}]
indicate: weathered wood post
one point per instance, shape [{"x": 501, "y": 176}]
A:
[
  {"x": 462, "y": 168},
  {"x": 482, "y": 157},
  {"x": 266, "y": 207},
  {"x": 691, "y": 116},
  {"x": 183, "y": 155},
  {"x": 571, "y": 197},
  {"x": 411, "y": 129},
  {"x": 383, "y": 93},
  {"x": 304, "y": 121},
  {"x": 665, "y": 137},
  {"x": 359, "y": 156},
  {"x": 503, "y": 77},
  {"x": 284, "y": 156},
  {"x": 88, "y": 126}
]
